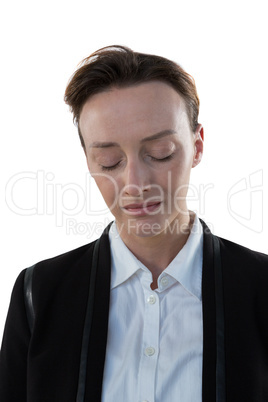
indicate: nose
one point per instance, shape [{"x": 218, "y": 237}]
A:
[{"x": 136, "y": 179}]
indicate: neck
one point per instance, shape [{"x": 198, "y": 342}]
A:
[{"x": 157, "y": 252}]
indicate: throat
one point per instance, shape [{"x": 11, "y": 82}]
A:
[
  {"x": 154, "y": 284},
  {"x": 157, "y": 252}
]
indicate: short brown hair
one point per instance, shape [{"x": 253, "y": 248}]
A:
[{"x": 119, "y": 66}]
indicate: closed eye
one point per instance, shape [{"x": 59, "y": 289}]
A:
[
  {"x": 166, "y": 158},
  {"x": 112, "y": 167}
]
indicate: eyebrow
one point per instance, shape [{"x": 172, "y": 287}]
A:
[{"x": 156, "y": 136}]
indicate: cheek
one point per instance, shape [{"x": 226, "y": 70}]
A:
[
  {"x": 184, "y": 164},
  {"x": 107, "y": 186},
  {"x": 179, "y": 177}
]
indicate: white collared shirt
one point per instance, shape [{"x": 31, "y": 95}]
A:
[{"x": 155, "y": 337}]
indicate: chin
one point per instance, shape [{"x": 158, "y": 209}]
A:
[{"x": 144, "y": 228}]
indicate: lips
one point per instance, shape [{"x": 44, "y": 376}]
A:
[{"x": 142, "y": 208}]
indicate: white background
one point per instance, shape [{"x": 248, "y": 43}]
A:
[{"x": 223, "y": 44}]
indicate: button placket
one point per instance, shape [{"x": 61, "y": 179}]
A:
[
  {"x": 152, "y": 320},
  {"x": 151, "y": 299},
  {"x": 150, "y": 351},
  {"x": 149, "y": 357}
]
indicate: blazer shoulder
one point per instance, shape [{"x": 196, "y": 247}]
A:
[
  {"x": 66, "y": 259},
  {"x": 74, "y": 258},
  {"x": 64, "y": 276},
  {"x": 242, "y": 250},
  {"x": 241, "y": 256},
  {"x": 70, "y": 267},
  {"x": 234, "y": 249},
  {"x": 63, "y": 266}
]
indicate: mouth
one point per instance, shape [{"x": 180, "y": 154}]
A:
[{"x": 142, "y": 208}]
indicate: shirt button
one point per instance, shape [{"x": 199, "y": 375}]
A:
[
  {"x": 151, "y": 299},
  {"x": 164, "y": 281},
  {"x": 150, "y": 351}
]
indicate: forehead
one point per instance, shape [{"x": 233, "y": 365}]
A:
[{"x": 151, "y": 106}]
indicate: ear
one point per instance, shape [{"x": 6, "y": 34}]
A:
[{"x": 198, "y": 145}]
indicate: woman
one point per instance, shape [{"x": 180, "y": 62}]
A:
[{"x": 132, "y": 317}]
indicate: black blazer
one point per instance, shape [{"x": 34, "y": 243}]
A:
[{"x": 44, "y": 366}]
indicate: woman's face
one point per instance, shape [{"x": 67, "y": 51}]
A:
[{"x": 140, "y": 151}]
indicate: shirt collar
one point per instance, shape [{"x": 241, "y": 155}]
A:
[
  {"x": 124, "y": 262},
  {"x": 186, "y": 267}
]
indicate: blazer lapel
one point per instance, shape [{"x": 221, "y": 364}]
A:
[
  {"x": 209, "y": 319},
  {"x": 99, "y": 328}
]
